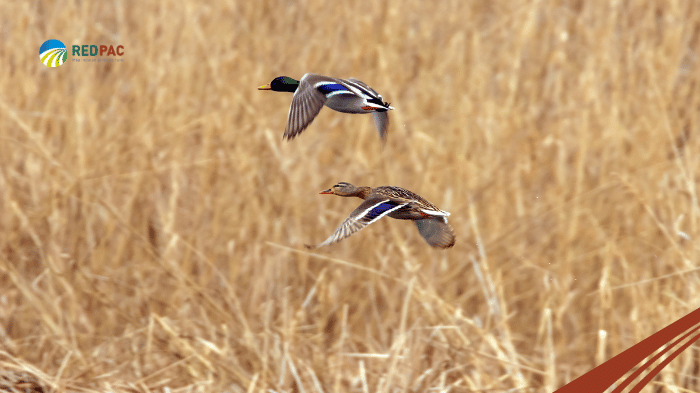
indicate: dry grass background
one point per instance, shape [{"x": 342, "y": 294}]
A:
[{"x": 152, "y": 217}]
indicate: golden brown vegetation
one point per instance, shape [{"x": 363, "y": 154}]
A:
[{"x": 153, "y": 220}]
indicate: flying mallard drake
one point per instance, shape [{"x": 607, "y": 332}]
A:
[
  {"x": 343, "y": 95},
  {"x": 395, "y": 202}
]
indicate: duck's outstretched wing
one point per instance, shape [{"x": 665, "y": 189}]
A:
[
  {"x": 306, "y": 104},
  {"x": 436, "y": 231},
  {"x": 369, "y": 211},
  {"x": 381, "y": 120}
]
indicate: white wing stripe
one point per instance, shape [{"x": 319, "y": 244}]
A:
[
  {"x": 361, "y": 90},
  {"x": 435, "y": 213},
  {"x": 337, "y": 92},
  {"x": 375, "y": 105},
  {"x": 353, "y": 88},
  {"x": 319, "y": 84},
  {"x": 364, "y": 213}
]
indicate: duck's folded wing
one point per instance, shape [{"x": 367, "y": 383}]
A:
[
  {"x": 436, "y": 231},
  {"x": 369, "y": 211},
  {"x": 362, "y": 86},
  {"x": 366, "y": 92},
  {"x": 306, "y": 104}
]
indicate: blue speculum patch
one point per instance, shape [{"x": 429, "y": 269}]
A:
[
  {"x": 331, "y": 87},
  {"x": 379, "y": 209}
]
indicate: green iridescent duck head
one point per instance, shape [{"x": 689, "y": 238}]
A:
[{"x": 282, "y": 83}]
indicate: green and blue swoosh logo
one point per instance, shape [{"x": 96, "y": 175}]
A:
[{"x": 53, "y": 53}]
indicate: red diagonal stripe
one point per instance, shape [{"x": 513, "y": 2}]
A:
[
  {"x": 649, "y": 362},
  {"x": 601, "y": 377},
  {"x": 663, "y": 364}
]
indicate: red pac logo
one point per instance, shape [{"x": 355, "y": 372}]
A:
[{"x": 92, "y": 50}]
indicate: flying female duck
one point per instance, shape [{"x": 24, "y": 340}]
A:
[
  {"x": 395, "y": 202},
  {"x": 343, "y": 95}
]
